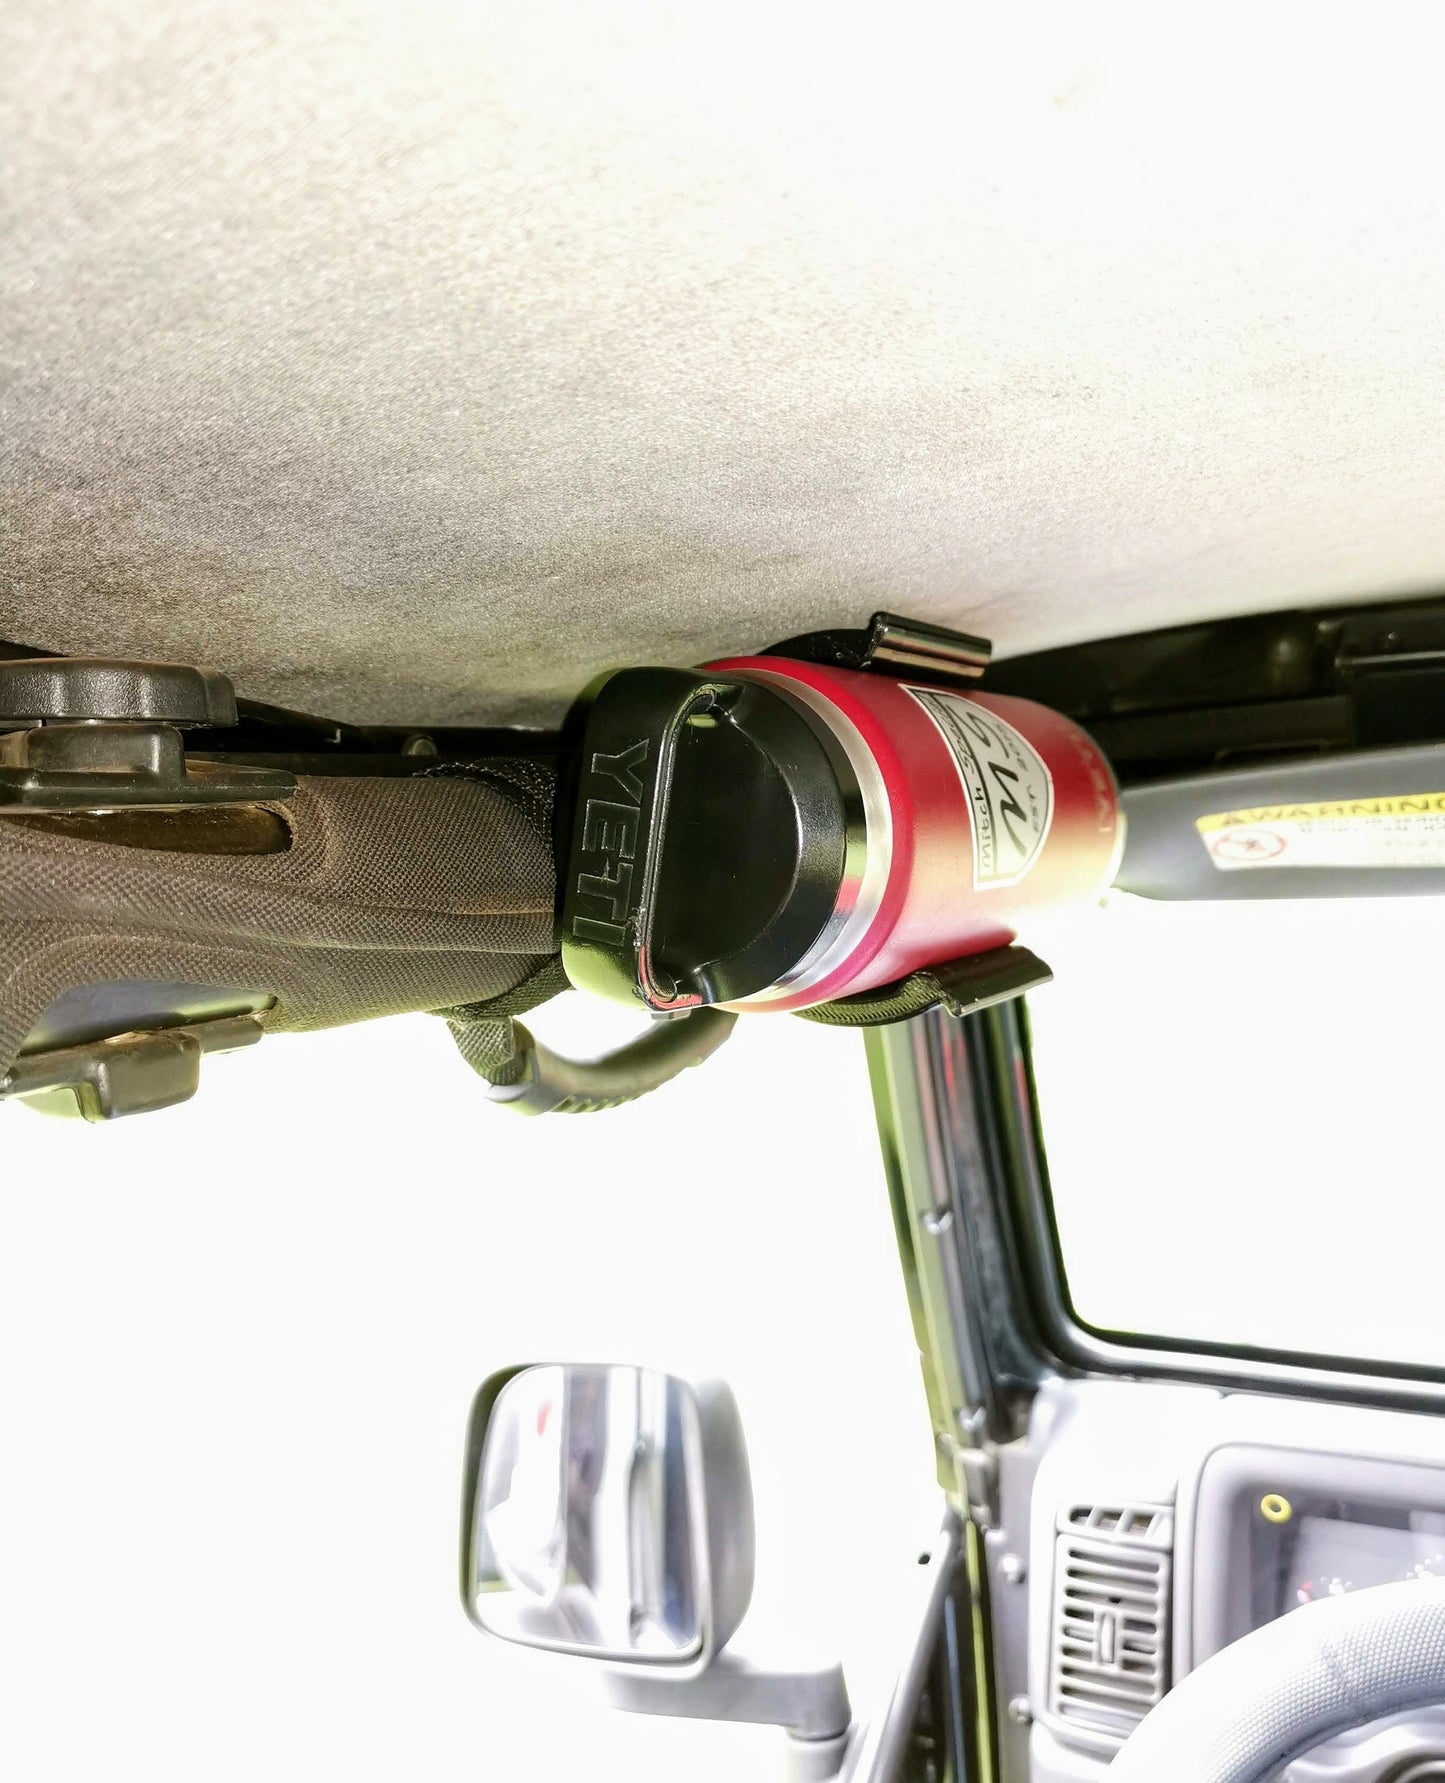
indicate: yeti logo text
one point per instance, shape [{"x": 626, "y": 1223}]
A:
[{"x": 609, "y": 829}]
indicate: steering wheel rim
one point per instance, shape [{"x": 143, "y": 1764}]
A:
[{"x": 1317, "y": 1672}]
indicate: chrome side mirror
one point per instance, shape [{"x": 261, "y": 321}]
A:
[{"x": 609, "y": 1513}]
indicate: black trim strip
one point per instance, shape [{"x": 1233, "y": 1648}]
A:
[{"x": 1042, "y": 1311}]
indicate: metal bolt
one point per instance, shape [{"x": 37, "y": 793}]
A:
[
  {"x": 1021, "y": 1710},
  {"x": 1012, "y": 1570}
]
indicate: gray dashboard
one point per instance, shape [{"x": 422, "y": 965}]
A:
[{"x": 1144, "y": 1526}]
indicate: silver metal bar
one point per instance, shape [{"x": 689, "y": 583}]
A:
[
  {"x": 883, "y": 1743},
  {"x": 927, "y": 650},
  {"x": 811, "y": 1701}
]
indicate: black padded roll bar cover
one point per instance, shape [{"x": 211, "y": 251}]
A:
[{"x": 396, "y": 894}]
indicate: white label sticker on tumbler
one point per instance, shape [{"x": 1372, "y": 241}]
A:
[{"x": 1010, "y": 790}]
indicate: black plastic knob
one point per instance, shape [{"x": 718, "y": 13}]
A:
[
  {"x": 90, "y": 734},
  {"x": 42, "y": 688}
]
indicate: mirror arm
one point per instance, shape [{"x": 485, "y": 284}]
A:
[{"x": 811, "y": 1702}]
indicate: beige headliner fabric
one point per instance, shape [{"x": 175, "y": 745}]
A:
[{"x": 413, "y": 361}]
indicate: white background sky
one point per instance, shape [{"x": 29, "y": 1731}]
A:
[
  {"x": 1242, "y": 1107},
  {"x": 239, "y": 1343}
]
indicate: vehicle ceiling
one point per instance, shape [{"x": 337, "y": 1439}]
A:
[{"x": 413, "y": 361}]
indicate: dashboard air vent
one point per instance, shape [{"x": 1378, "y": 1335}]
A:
[
  {"x": 1111, "y": 1617},
  {"x": 1128, "y": 1522}
]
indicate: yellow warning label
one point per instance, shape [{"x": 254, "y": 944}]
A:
[
  {"x": 1407, "y": 804},
  {"x": 1397, "y": 830}
]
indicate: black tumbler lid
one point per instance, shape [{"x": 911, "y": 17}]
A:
[{"x": 708, "y": 841}]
